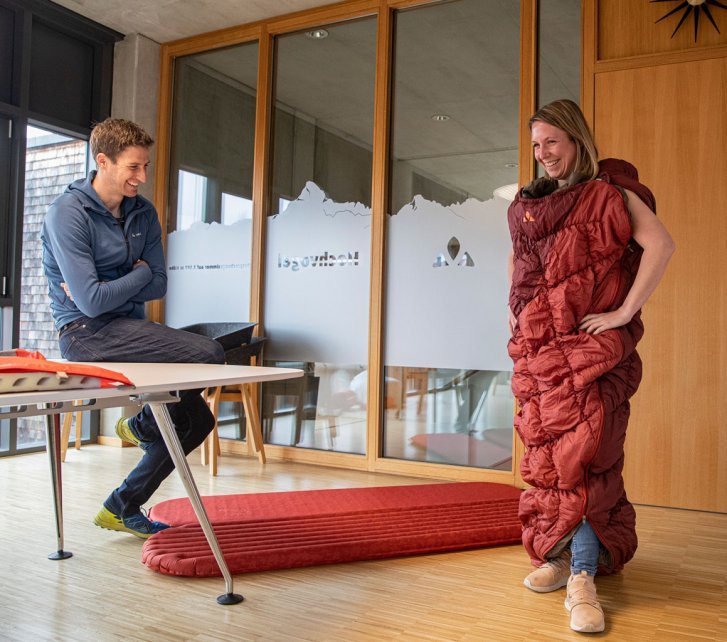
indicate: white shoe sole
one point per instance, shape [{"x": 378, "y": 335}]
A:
[
  {"x": 546, "y": 589},
  {"x": 589, "y": 628}
]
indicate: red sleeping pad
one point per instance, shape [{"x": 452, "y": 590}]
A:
[{"x": 265, "y": 531}]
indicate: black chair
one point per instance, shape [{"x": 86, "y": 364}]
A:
[
  {"x": 302, "y": 393},
  {"x": 242, "y": 349}
]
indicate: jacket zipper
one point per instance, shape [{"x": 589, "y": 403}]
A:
[
  {"x": 584, "y": 516},
  {"x": 126, "y": 238}
]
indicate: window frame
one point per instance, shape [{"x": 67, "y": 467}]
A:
[{"x": 17, "y": 111}]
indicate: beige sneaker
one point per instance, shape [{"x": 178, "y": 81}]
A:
[
  {"x": 586, "y": 614},
  {"x": 550, "y": 576}
]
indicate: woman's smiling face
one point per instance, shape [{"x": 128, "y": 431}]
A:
[{"x": 553, "y": 149}]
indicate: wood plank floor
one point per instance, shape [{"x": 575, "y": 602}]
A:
[{"x": 674, "y": 589}]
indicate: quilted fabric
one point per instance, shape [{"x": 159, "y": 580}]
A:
[
  {"x": 573, "y": 255},
  {"x": 264, "y": 531}
]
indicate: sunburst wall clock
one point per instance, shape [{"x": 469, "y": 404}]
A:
[{"x": 694, "y": 7}]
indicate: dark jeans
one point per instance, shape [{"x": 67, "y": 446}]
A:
[{"x": 106, "y": 338}]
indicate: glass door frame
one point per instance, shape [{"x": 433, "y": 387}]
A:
[{"x": 265, "y": 32}]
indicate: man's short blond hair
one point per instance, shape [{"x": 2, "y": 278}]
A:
[{"x": 113, "y": 135}]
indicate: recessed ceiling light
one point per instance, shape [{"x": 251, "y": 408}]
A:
[
  {"x": 511, "y": 165},
  {"x": 317, "y": 34},
  {"x": 440, "y": 118}
]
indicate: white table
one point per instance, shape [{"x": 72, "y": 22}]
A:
[{"x": 155, "y": 384}]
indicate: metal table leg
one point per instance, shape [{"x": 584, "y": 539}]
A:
[
  {"x": 171, "y": 439},
  {"x": 53, "y": 448}
]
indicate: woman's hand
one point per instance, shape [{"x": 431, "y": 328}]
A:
[
  {"x": 597, "y": 323},
  {"x": 658, "y": 246}
]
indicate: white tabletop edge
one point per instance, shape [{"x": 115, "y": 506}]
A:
[{"x": 155, "y": 377}]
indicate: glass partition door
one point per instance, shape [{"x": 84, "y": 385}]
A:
[
  {"x": 454, "y": 151},
  {"x": 318, "y": 237},
  {"x": 210, "y": 187},
  {"x": 209, "y": 226}
]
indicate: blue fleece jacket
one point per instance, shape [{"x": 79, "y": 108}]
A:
[{"x": 85, "y": 247}]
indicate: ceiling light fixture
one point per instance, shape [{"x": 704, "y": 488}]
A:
[
  {"x": 511, "y": 165},
  {"x": 317, "y": 34},
  {"x": 440, "y": 118},
  {"x": 508, "y": 192}
]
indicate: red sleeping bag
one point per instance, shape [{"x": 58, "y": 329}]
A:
[{"x": 573, "y": 255}]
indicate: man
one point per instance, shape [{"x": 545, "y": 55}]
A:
[{"x": 103, "y": 257}]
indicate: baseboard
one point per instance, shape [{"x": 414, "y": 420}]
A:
[{"x": 106, "y": 440}]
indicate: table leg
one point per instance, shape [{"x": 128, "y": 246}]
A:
[
  {"x": 171, "y": 439},
  {"x": 53, "y": 448}
]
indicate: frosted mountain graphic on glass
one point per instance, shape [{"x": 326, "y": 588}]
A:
[
  {"x": 317, "y": 280},
  {"x": 447, "y": 286},
  {"x": 208, "y": 273}
]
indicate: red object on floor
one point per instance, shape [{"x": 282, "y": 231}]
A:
[
  {"x": 265, "y": 531},
  {"x": 486, "y": 449}
]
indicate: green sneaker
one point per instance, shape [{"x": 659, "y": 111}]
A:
[
  {"x": 123, "y": 432},
  {"x": 138, "y": 524}
]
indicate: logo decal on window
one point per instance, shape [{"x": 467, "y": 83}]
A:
[{"x": 453, "y": 249}]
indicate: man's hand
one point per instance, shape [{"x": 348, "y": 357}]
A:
[
  {"x": 64, "y": 285},
  {"x": 140, "y": 263}
]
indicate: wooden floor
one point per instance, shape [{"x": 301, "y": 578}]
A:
[{"x": 674, "y": 589}]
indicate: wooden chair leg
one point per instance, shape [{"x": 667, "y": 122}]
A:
[
  {"x": 65, "y": 434},
  {"x": 211, "y": 445},
  {"x": 249, "y": 437},
  {"x": 203, "y": 456},
  {"x": 79, "y": 429},
  {"x": 213, "y": 449},
  {"x": 253, "y": 422}
]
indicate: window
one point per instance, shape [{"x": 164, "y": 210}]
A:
[
  {"x": 65, "y": 87},
  {"x": 235, "y": 208},
  {"x": 52, "y": 162},
  {"x": 191, "y": 198}
]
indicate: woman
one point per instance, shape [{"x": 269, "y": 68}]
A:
[{"x": 587, "y": 254}]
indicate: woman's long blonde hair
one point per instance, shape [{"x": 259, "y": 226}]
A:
[{"x": 566, "y": 115}]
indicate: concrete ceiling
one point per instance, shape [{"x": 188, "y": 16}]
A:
[
  {"x": 166, "y": 20},
  {"x": 459, "y": 59}
]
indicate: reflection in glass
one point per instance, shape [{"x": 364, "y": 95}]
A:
[
  {"x": 559, "y": 51},
  {"x": 450, "y": 416},
  {"x": 318, "y": 238},
  {"x": 191, "y": 199},
  {"x": 235, "y": 208},
  {"x": 213, "y": 132},
  {"x": 52, "y": 162},
  {"x": 454, "y": 143},
  {"x": 210, "y": 193},
  {"x": 4, "y": 435},
  {"x": 325, "y": 409}
]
